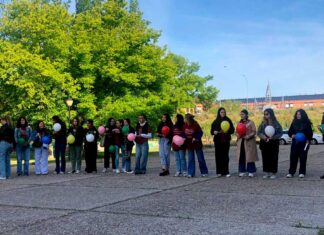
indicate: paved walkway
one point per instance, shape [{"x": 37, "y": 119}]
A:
[{"x": 149, "y": 204}]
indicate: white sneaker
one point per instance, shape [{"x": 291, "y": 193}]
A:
[
  {"x": 273, "y": 177},
  {"x": 218, "y": 175},
  {"x": 77, "y": 172},
  {"x": 123, "y": 170},
  {"x": 301, "y": 175},
  {"x": 184, "y": 174},
  {"x": 104, "y": 170},
  {"x": 266, "y": 176},
  {"x": 177, "y": 174},
  {"x": 289, "y": 176},
  {"x": 3, "y": 178},
  {"x": 189, "y": 176},
  {"x": 242, "y": 174},
  {"x": 117, "y": 171},
  {"x": 251, "y": 175},
  {"x": 228, "y": 175},
  {"x": 129, "y": 172},
  {"x": 204, "y": 175},
  {"x": 62, "y": 173}
]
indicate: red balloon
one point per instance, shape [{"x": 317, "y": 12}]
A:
[
  {"x": 241, "y": 129},
  {"x": 165, "y": 130}
]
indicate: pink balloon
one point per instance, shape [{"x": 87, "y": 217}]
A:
[
  {"x": 178, "y": 140},
  {"x": 131, "y": 137},
  {"x": 101, "y": 130}
]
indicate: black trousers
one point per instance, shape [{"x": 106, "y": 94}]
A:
[
  {"x": 90, "y": 155},
  {"x": 222, "y": 158},
  {"x": 298, "y": 152},
  {"x": 107, "y": 156},
  {"x": 270, "y": 152}
]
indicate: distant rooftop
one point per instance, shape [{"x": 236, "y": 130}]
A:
[{"x": 279, "y": 98}]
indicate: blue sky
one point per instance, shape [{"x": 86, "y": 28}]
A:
[{"x": 246, "y": 43}]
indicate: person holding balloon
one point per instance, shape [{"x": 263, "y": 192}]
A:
[
  {"x": 109, "y": 145},
  {"x": 247, "y": 153},
  {"x": 178, "y": 146},
  {"x": 164, "y": 132},
  {"x": 194, "y": 145},
  {"x": 118, "y": 138},
  {"x": 41, "y": 140},
  {"x": 6, "y": 146},
  {"x": 222, "y": 128},
  {"x": 143, "y": 134},
  {"x": 321, "y": 128},
  {"x": 23, "y": 135},
  {"x": 91, "y": 147},
  {"x": 301, "y": 133},
  {"x": 127, "y": 145},
  {"x": 75, "y": 142},
  {"x": 269, "y": 132},
  {"x": 59, "y": 135}
]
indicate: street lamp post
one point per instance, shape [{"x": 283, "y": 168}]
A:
[
  {"x": 69, "y": 103},
  {"x": 247, "y": 91}
]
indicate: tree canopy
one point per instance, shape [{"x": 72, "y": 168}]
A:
[{"x": 105, "y": 56}]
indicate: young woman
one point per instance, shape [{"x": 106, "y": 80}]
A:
[
  {"x": 179, "y": 150},
  {"x": 322, "y": 177},
  {"x": 118, "y": 138},
  {"x": 91, "y": 147},
  {"x": 23, "y": 134},
  {"x": 269, "y": 145},
  {"x": 222, "y": 142},
  {"x": 247, "y": 153},
  {"x": 75, "y": 149},
  {"x": 109, "y": 140},
  {"x": 194, "y": 144},
  {"x": 143, "y": 134},
  {"x": 6, "y": 147},
  {"x": 299, "y": 148},
  {"x": 127, "y": 147},
  {"x": 59, "y": 146},
  {"x": 41, "y": 148},
  {"x": 165, "y": 143}
]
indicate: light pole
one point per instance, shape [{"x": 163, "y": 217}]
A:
[
  {"x": 247, "y": 91},
  {"x": 69, "y": 103}
]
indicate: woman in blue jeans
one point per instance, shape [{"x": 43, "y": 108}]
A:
[
  {"x": 194, "y": 145},
  {"x": 6, "y": 146},
  {"x": 179, "y": 151},
  {"x": 23, "y": 134}
]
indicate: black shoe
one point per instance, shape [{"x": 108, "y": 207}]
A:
[
  {"x": 322, "y": 177},
  {"x": 138, "y": 173},
  {"x": 164, "y": 173}
]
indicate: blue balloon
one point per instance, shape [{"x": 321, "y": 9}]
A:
[
  {"x": 300, "y": 137},
  {"x": 46, "y": 140}
]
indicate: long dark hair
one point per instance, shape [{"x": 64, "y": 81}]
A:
[
  {"x": 168, "y": 119},
  {"x": 180, "y": 121},
  {"x": 218, "y": 117},
  {"x": 304, "y": 117},
  {"x": 37, "y": 125},
  {"x": 19, "y": 124},
  {"x": 273, "y": 118},
  {"x": 109, "y": 121}
]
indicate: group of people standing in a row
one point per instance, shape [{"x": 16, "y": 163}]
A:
[{"x": 184, "y": 136}]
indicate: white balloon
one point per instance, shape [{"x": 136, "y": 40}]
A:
[
  {"x": 90, "y": 137},
  {"x": 57, "y": 127},
  {"x": 269, "y": 131}
]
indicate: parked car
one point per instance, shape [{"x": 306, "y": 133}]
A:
[{"x": 285, "y": 139}]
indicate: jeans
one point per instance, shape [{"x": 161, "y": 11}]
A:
[
  {"x": 164, "y": 152},
  {"x": 192, "y": 162},
  {"x": 59, "y": 152},
  {"x": 123, "y": 157},
  {"x": 5, "y": 151},
  {"x": 181, "y": 163},
  {"x": 141, "y": 157},
  {"x": 41, "y": 161},
  {"x": 23, "y": 153},
  {"x": 75, "y": 156},
  {"x": 117, "y": 156}
]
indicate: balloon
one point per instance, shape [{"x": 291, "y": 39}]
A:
[
  {"x": 101, "y": 130},
  {"x": 165, "y": 130},
  {"x": 21, "y": 141},
  {"x": 70, "y": 139},
  {"x": 90, "y": 137},
  {"x": 269, "y": 131},
  {"x": 300, "y": 137},
  {"x": 241, "y": 129},
  {"x": 322, "y": 128},
  {"x": 125, "y": 130},
  {"x": 178, "y": 140},
  {"x": 57, "y": 127},
  {"x": 46, "y": 140},
  {"x": 131, "y": 137},
  {"x": 225, "y": 126},
  {"x": 112, "y": 148}
]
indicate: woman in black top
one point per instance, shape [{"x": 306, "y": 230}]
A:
[
  {"x": 109, "y": 140},
  {"x": 91, "y": 147},
  {"x": 299, "y": 149},
  {"x": 6, "y": 147},
  {"x": 222, "y": 142}
]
